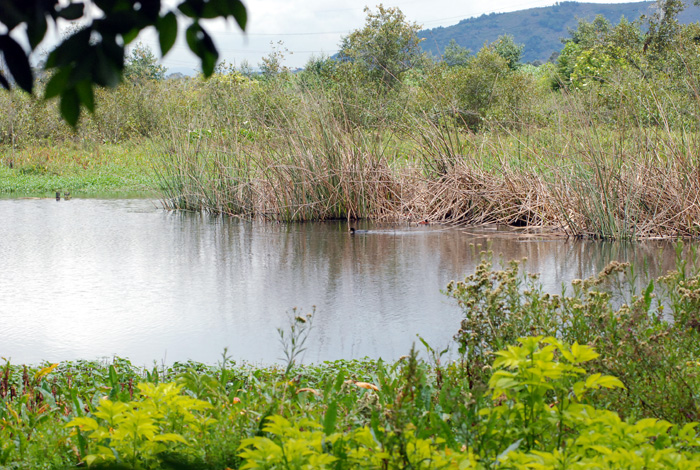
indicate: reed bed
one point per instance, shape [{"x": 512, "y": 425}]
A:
[
  {"x": 308, "y": 167},
  {"x": 588, "y": 180},
  {"x": 614, "y": 155}
]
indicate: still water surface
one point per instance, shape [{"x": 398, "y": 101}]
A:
[{"x": 89, "y": 278}]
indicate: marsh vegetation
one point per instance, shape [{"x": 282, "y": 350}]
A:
[{"x": 602, "y": 143}]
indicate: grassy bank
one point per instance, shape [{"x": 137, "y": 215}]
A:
[
  {"x": 593, "y": 377},
  {"x": 80, "y": 168}
]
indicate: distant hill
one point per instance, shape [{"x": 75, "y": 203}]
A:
[
  {"x": 180, "y": 72},
  {"x": 539, "y": 29}
]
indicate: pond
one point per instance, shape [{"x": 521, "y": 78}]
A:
[{"x": 92, "y": 278}]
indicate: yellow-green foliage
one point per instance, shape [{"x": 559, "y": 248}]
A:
[
  {"x": 644, "y": 339},
  {"x": 539, "y": 420},
  {"x": 303, "y": 445},
  {"x": 548, "y": 426},
  {"x": 137, "y": 431}
]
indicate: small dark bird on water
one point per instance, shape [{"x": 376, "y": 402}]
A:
[
  {"x": 353, "y": 231},
  {"x": 58, "y": 196}
]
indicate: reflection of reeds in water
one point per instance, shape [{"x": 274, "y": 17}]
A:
[{"x": 584, "y": 179}]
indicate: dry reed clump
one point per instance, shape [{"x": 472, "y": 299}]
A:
[
  {"x": 467, "y": 194},
  {"x": 625, "y": 196},
  {"x": 306, "y": 186},
  {"x": 667, "y": 199}
]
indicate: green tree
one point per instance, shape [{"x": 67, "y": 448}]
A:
[
  {"x": 142, "y": 65},
  {"x": 589, "y": 33},
  {"x": 455, "y": 55},
  {"x": 386, "y": 47},
  {"x": 272, "y": 65},
  {"x": 597, "y": 49},
  {"x": 663, "y": 27},
  {"x": 506, "y": 47},
  {"x": 94, "y": 55}
]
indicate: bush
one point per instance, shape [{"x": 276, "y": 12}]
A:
[{"x": 646, "y": 340}]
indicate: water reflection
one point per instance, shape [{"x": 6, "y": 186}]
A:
[{"x": 92, "y": 278}]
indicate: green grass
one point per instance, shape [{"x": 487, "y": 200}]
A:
[{"x": 81, "y": 169}]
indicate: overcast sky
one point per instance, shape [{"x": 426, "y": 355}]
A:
[{"x": 315, "y": 27}]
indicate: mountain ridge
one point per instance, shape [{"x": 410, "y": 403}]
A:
[{"x": 539, "y": 29}]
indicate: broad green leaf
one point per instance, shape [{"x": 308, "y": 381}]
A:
[
  {"x": 189, "y": 8},
  {"x": 113, "y": 51},
  {"x": 567, "y": 354},
  {"x": 191, "y": 35},
  {"x": 70, "y": 106},
  {"x": 530, "y": 343},
  {"x": 583, "y": 353},
  {"x": 647, "y": 295},
  {"x": 57, "y": 83},
  {"x": 170, "y": 437},
  {"x": 202, "y": 45},
  {"x": 652, "y": 426},
  {"x": 607, "y": 381},
  {"x": 276, "y": 425},
  {"x": 111, "y": 411},
  {"x": 688, "y": 432},
  {"x": 83, "y": 421},
  {"x": 17, "y": 62},
  {"x": 601, "y": 449},
  {"x": 113, "y": 378},
  {"x": 71, "y": 50},
  {"x": 330, "y": 418},
  {"x": 339, "y": 381},
  {"x": 511, "y": 357},
  {"x": 106, "y": 72},
  {"x": 72, "y": 12},
  {"x": 239, "y": 13},
  {"x": 130, "y": 35},
  {"x": 36, "y": 28},
  {"x": 167, "y": 31},
  {"x": 591, "y": 380}
]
